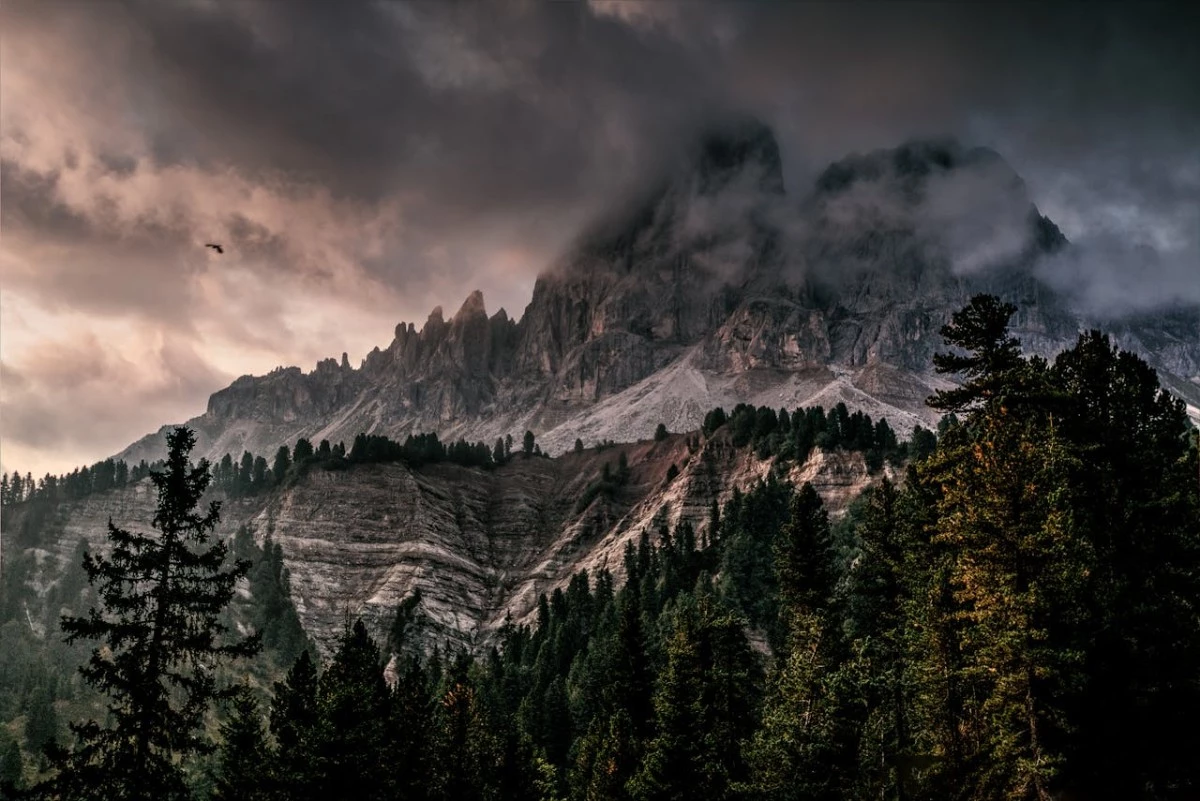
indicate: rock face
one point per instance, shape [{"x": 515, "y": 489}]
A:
[
  {"x": 480, "y": 546},
  {"x": 710, "y": 288}
]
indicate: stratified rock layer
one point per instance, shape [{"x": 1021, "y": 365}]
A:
[{"x": 480, "y": 546}]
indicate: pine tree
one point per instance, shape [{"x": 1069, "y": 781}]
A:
[
  {"x": 259, "y": 474},
  {"x": 281, "y": 465},
  {"x": 1139, "y": 505},
  {"x": 412, "y": 724},
  {"x": 303, "y": 451},
  {"x": 162, "y": 597},
  {"x": 245, "y": 477},
  {"x": 704, "y": 708},
  {"x": 41, "y": 721},
  {"x": 1017, "y": 566},
  {"x": 805, "y": 746},
  {"x": 981, "y": 328},
  {"x": 879, "y": 596},
  {"x": 294, "y": 723},
  {"x": 353, "y": 744},
  {"x": 12, "y": 768},
  {"x": 243, "y": 755}
]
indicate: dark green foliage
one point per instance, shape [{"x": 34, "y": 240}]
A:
[
  {"x": 41, "y": 719},
  {"x": 161, "y": 597},
  {"x": 282, "y": 464},
  {"x": 705, "y": 707},
  {"x": 352, "y": 741},
  {"x": 527, "y": 444},
  {"x": 416, "y": 451},
  {"x": 259, "y": 478},
  {"x": 748, "y": 529},
  {"x": 80, "y": 483},
  {"x": 793, "y": 436},
  {"x": 303, "y": 452},
  {"x": 244, "y": 755},
  {"x": 980, "y": 329},
  {"x": 12, "y": 767},
  {"x": 294, "y": 724},
  {"x": 271, "y": 612},
  {"x": 661, "y": 433},
  {"x": 921, "y": 443},
  {"x": 578, "y": 445}
]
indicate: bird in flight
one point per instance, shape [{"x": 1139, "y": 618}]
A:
[{"x": 215, "y": 247}]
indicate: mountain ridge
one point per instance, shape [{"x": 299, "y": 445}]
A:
[{"x": 713, "y": 288}]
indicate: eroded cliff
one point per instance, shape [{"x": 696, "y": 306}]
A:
[{"x": 480, "y": 546}]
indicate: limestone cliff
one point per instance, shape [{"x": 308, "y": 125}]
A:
[{"x": 480, "y": 546}]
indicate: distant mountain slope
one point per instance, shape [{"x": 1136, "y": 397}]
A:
[
  {"x": 479, "y": 545},
  {"x": 711, "y": 287}
]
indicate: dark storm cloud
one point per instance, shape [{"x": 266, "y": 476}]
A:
[
  {"x": 528, "y": 114},
  {"x": 473, "y": 105}
]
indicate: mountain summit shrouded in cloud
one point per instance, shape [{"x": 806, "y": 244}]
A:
[
  {"x": 363, "y": 162},
  {"x": 713, "y": 287}
]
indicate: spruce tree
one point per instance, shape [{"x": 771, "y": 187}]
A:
[
  {"x": 162, "y": 597},
  {"x": 353, "y": 746},
  {"x": 281, "y": 465},
  {"x": 243, "y": 755},
  {"x": 1016, "y": 567},
  {"x": 12, "y": 767},
  {"x": 879, "y": 596},
  {"x": 804, "y": 748},
  {"x": 294, "y": 724},
  {"x": 1138, "y": 502}
]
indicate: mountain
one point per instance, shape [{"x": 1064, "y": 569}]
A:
[
  {"x": 479, "y": 545},
  {"x": 710, "y": 287}
]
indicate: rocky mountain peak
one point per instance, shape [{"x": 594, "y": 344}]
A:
[
  {"x": 712, "y": 289},
  {"x": 730, "y": 149},
  {"x": 915, "y": 162},
  {"x": 434, "y": 324},
  {"x": 927, "y": 204},
  {"x": 473, "y": 306}
]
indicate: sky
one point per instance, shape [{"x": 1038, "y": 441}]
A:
[{"x": 362, "y": 162}]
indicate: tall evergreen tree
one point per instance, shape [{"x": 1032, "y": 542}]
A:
[
  {"x": 243, "y": 756},
  {"x": 281, "y": 465},
  {"x": 878, "y": 598},
  {"x": 12, "y": 768},
  {"x": 294, "y": 721},
  {"x": 162, "y": 598},
  {"x": 1138, "y": 502},
  {"x": 1017, "y": 565},
  {"x": 354, "y": 743},
  {"x": 804, "y": 749},
  {"x": 704, "y": 704}
]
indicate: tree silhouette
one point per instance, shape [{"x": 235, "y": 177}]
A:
[{"x": 161, "y": 637}]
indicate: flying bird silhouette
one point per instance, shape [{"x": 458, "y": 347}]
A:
[{"x": 215, "y": 247}]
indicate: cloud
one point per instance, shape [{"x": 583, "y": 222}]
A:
[{"x": 72, "y": 396}]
